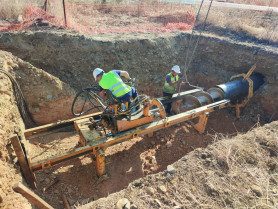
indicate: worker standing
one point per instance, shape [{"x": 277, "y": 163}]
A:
[
  {"x": 170, "y": 85},
  {"x": 112, "y": 81}
]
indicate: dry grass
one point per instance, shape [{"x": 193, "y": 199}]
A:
[
  {"x": 10, "y": 9},
  {"x": 123, "y": 15},
  {"x": 126, "y": 18},
  {"x": 240, "y": 173},
  {"x": 260, "y": 25},
  {"x": 271, "y": 3}
]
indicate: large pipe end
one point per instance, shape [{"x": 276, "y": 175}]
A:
[{"x": 237, "y": 89}]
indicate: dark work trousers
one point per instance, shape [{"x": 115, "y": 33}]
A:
[
  {"x": 126, "y": 97},
  {"x": 169, "y": 105}
]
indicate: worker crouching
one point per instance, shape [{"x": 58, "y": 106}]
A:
[{"x": 112, "y": 82}]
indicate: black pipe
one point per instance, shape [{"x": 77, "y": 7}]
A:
[{"x": 237, "y": 89}]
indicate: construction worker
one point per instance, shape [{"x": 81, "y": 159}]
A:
[
  {"x": 112, "y": 81},
  {"x": 170, "y": 85}
]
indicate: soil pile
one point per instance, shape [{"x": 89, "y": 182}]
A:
[{"x": 237, "y": 172}]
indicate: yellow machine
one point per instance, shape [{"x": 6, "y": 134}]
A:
[{"x": 124, "y": 121}]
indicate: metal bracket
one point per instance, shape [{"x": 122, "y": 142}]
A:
[
  {"x": 100, "y": 162},
  {"x": 250, "y": 90},
  {"x": 201, "y": 125},
  {"x": 166, "y": 122}
]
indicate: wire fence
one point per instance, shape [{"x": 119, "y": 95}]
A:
[
  {"x": 113, "y": 17},
  {"x": 140, "y": 17}
]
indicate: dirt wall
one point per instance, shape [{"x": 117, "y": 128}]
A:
[
  {"x": 72, "y": 57},
  {"x": 48, "y": 98},
  {"x": 10, "y": 122}
]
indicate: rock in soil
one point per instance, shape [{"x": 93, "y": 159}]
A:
[
  {"x": 170, "y": 169},
  {"x": 123, "y": 204},
  {"x": 257, "y": 190},
  {"x": 150, "y": 190},
  {"x": 162, "y": 189},
  {"x": 158, "y": 202}
]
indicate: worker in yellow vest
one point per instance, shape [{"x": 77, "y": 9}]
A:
[
  {"x": 170, "y": 85},
  {"x": 112, "y": 81}
]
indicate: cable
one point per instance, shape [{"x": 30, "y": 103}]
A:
[
  {"x": 134, "y": 105},
  {"x": 21, "y": 102},
  {"x": 188, "y": 61},
  {"x": 197, "y": 42},
  {"x": 190, "y": 40}
]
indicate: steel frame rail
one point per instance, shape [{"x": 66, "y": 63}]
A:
[
  {"x": 22, "y": 151},
  {"x": 97, "y": 148}
]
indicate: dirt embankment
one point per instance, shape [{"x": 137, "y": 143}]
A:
[
  {"x": 148, "y": 57},
  {"x": 10, "y": 122},
  {"x": 237, "y": 172},
  {"x": 49, "y": 99}
]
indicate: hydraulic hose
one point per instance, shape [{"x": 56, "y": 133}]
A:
[{"x": 21, "y": 102}]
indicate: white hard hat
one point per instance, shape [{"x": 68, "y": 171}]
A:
[
  {"x": 97, "y": 72},
  {"x": 176, "y": 69}
]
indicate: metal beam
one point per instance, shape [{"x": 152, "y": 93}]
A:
[
  {"x": 57, "y": 125},
  {"x": 178, "y": 96}
]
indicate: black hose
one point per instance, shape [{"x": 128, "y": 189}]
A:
[{"x": 21, "y": 102}]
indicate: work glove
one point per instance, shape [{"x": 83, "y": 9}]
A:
[{"x": 131, "y": 80}]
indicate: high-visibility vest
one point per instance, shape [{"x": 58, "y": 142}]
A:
[
  {"x": 170, "y": 89},
  {"x": 115, "y": 84}
]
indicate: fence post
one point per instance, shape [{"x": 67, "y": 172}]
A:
[
  {"x": 138, "y": 13},
  {"x": 44, "y": 5},
  {"x": 65, "y": 15}
]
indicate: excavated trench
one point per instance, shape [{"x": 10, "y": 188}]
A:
[{"x": 62, "y": 63}]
